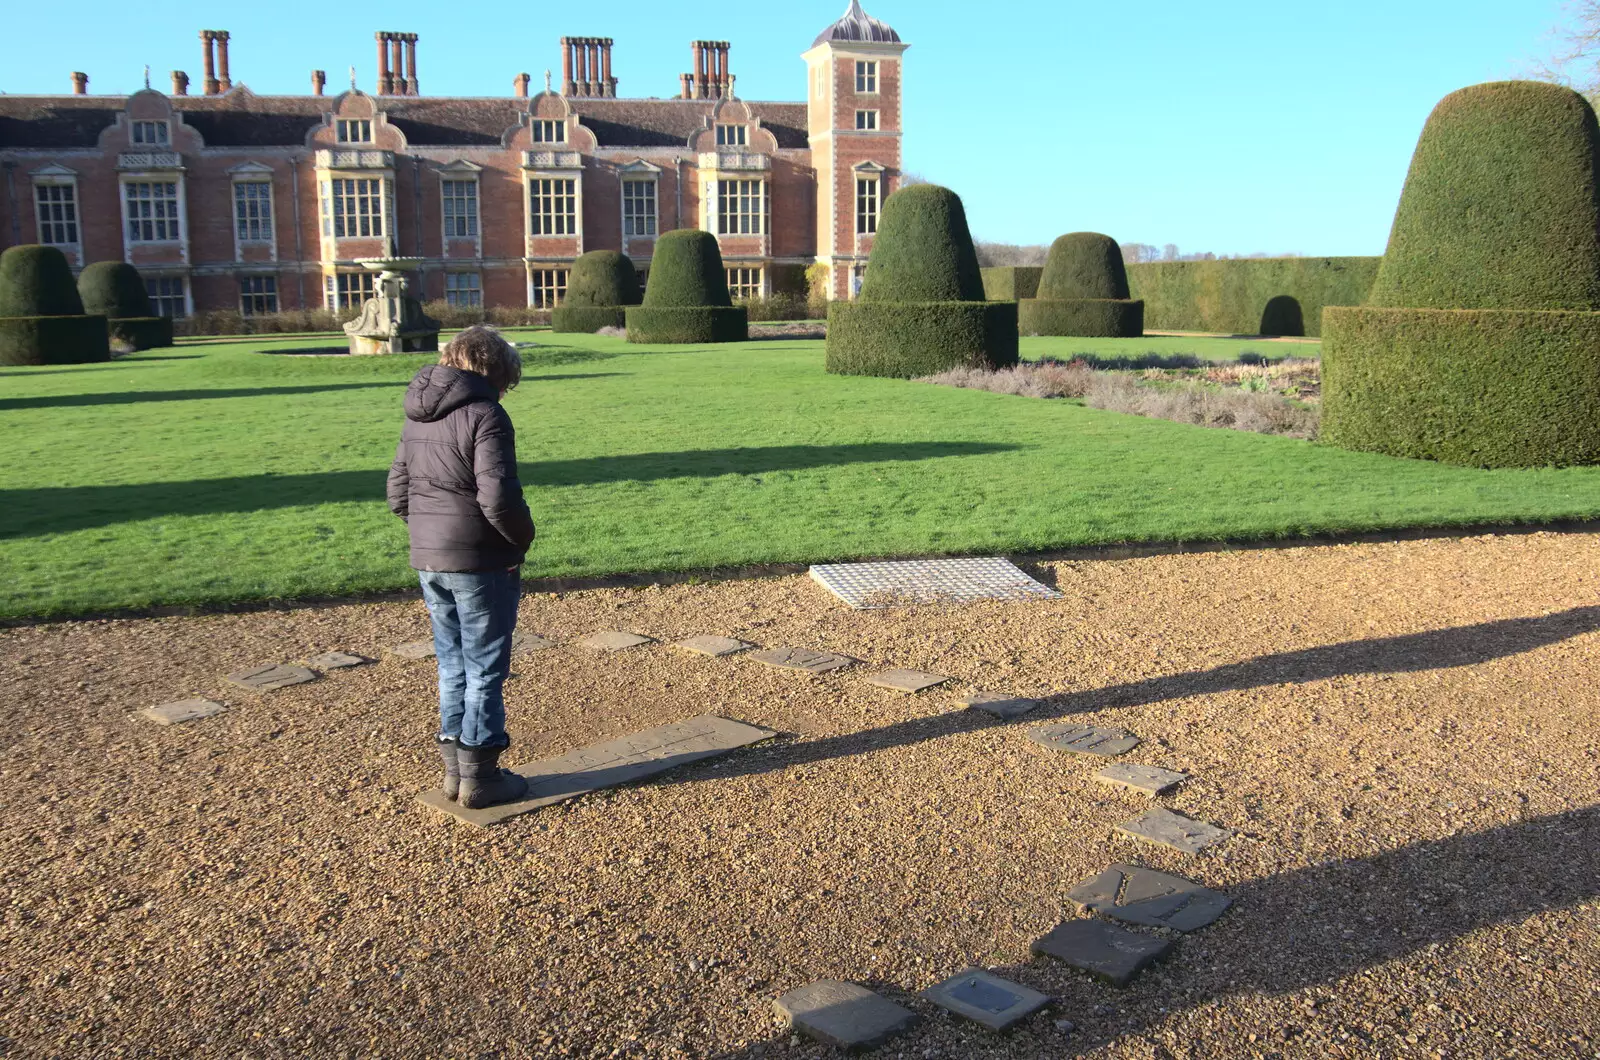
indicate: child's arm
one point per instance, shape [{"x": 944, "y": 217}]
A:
[
  {"x": 400, "y": 483},
  {"x": 494, "y": 458}
]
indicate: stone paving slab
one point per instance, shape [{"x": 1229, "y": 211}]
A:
[
  {"x": 1174, "y": 830},
  {"x": 994, "y": 1002},
  {"x": 912, "y": 681},
  {"x": 843, "y": 1015},
  {"x": 714, "y": 646},
  {"x": 1001, "y": 706},
  {"x": 866, "y": 586},
  {"x": 1114, "y": 954},
  {"x": 614, "y": 640},
  {"x": 522, "y": 643},
  {"x": 413, "y": 649},
  {"x": 1084, "y": 739},
  {"x": 605, "y": 765},
  {"x": 271, "y": 678},
  {"x": 336, "y": 660},
  {"x": 1149, "y": 780},
  {"x": 181, "y": 711},
  {"x": 811, "y": 662},
  {"x": 1155, "y": 899}
]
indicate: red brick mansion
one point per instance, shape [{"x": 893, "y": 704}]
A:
[{"x": 226, "y": 199}]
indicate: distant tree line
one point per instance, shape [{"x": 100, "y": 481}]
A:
[{"x": 990, "y": 254}]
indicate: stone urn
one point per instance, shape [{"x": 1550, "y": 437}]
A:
[{"x": 392, "y": 321}]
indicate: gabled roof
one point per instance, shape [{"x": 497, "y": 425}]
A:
[{"x": 857, "y": 25}]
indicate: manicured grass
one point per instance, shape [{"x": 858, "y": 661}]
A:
[{"x": 213, "y": 474}]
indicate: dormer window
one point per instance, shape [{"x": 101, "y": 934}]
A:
[
  {"x": 549, "y": 132},
  {"x": 866, "y": 76},
  {"x": 353, "y": 130},
  {"x": 150, "y": 133},
  {"x": 731, "y": 135}
]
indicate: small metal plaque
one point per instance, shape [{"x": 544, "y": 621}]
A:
[
  {"x": 811, "y": 662},
  {"x": 270, "y": 678},
  {"x": 994, "y": 1002},
  {"x": 1084, "y": 739}
]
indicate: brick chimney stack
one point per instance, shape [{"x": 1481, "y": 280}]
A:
[
  {"x": 385, "y": 77},
  {"x": 225, "y": 82},
  {"x": 208, "y": 49},
  {"x": 80, "y": 83},
  {"x": 413, "y": 86},
  {"x": 180, "y": 83},
  {"x": 686, "y": 86},
  {"x": 586, "y": 67},
  {"x": 319, "y": 81},
  {"x": 521, "y": 85},
  {"x": 397, "y": 65}
]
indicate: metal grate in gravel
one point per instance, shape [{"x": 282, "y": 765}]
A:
[{"x": 894, "y": 583}]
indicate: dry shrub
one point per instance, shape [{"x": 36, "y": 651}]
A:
[
  {"x": 613, "y": 333},
  {"x": 1045, "y": 380},
  {"x": 1290, "y": 371}
]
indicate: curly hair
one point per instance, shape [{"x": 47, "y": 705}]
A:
[{"x": 482, "y": 349}]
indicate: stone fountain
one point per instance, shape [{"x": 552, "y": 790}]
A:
[{"x": 392, "y": 321}]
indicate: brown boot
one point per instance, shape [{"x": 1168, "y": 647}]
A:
[
  {"x": 483, "y": 782},
  {"x": 452, "y": 772}
]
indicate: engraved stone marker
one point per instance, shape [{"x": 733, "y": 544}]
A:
[
  {"x": 1084, "y": 739},
  {"x": 1143, "y": 896},
  {"x": 336, "y": 660},
  {"x": 614, "y": 640},
  {"x": 605, "y": 765},
  {"x": 1112, "y": 953},
  {"x": 811, "y": 662},
  {"x": 843, "y": 1014},
  {"x": 1174, "y": 830},
  {"x": 522, "y": 643},
  {"x": 714, "y": 646},
  {"x": 994, "y": 1002},
  {"x": 1151, "y": 780},
  {"x": 921, "y": 581},
  {"x": 912, "y": 681},
  {"x": 1003, "y": 707},
  {"x": 181, "y": 711},
  {"x": 413, "y": 649},
  {"x": 269, "y": 678}
]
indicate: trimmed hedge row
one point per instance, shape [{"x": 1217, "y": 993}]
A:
[
  {"x": 1484, "y": 388},
  {"x": 1011, "y": 283},
  {"x": 588, "y": 319},
  {"x": 1232, "y": 296},
  {"x": 681, "y": 324},
  {"x": 1111, "y": 318},
  {"x": 54, "y": 340},
  {"x": 1501, "y": 205},
  {"x": 141, "y": 333},
  {"x": 909, "y": 339}
]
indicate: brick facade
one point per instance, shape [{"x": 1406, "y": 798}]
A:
[{"x": 229, "y": 200}]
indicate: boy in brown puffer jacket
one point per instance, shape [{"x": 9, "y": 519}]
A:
[{"x": 454, "y": 482}]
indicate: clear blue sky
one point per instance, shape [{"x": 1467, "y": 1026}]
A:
[{"x": 1231, "y": 126}]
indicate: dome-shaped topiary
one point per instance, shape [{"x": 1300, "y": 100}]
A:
[
  {"x": 923, "y": 250},
  {"x": 1501, "y": 205},
  {"x": 601, "y": 285},
  {"x": 41, "y": 316},
  {"x": 36, "y": 281},
  {"x": 686, "y": 299},
  {"x": 921, "y": 309},
  {"x": 114, "y": 289},
  {"x": 1480, "y": 343},
  {"x": 1083, "y": 291},
  {"x": 1084, "y": 265}
]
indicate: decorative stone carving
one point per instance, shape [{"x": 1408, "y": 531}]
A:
[{"x": 392, "y": 321}]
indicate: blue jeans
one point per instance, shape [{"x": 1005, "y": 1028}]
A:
[{"x": 474, "y": 614}]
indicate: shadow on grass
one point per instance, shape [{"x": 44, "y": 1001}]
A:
[
  {"x": 1307, "y": 928},
  {"x": 63, "y": 509},
  {"x": 135, "y": 397}
]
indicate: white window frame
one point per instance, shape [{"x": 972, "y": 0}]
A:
[
  {"x": 867, "y": 121},
  {"x": 149, "y": 207},
  {"x": 244, "y": 191},
  {"x": 644, "y": 222},
  {"x": 150, "y": 134},
  {"x": 742, "y": 192},
  {"x": 869, "y": 204},
  {"x": 549, "y": 131},
  {"x": 250, "y": 298},
  {"x": 745, "y": 281},
  {"x": 341, "y": 190},
  {"x": 554, "y": 191},
  {"x": 464, "y": 290},
  {"x": 451, "y": 203},
  {"x": 731, "y": 135},
  {"x": 348, "y": 289},
  {"x": 866, "y": 77},
  {"x": 157, "y": 298},
  {"x": 547, "y": 287},
  {"x": 352, "y": 130},
  {"x": 58, "y": 177}
]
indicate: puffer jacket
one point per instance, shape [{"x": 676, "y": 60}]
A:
[{"x": 454, "y": 479}]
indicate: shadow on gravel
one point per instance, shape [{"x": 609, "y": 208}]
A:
[
  {"x": 62, "y": 509},
  {"x": 1316, "y": 920}
]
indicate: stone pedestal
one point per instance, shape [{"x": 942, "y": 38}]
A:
[{"x": 392, "y": 321}]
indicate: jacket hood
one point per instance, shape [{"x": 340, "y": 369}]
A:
[{"x": 439, "y": 390}]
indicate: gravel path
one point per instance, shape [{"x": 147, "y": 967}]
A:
[{"x": 1405, "y": 736}]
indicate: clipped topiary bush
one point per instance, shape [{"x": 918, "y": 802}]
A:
[
  {"x": 921, "y": 308},
  {"x": 115, "y": 290},
  {"x": 602, "y": 285},
  {"x": 1480, "y": 342},
  {"x": 687, "y": 297},
  {"x": 41, "y": 315},
  {"x": 1083, "y": 291}
]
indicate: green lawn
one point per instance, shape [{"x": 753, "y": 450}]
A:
[{"x": 203, "y": 474}]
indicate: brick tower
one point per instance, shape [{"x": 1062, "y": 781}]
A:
[{"x": 853, "y": 117}]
